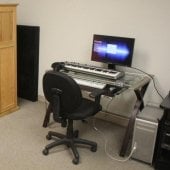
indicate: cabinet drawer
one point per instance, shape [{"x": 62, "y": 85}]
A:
[{"x": 166, "y": 141}]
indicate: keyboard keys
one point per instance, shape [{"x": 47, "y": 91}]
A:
[
  {"x": 90, "y": 83},
  {"x": 93, "y": 70}
]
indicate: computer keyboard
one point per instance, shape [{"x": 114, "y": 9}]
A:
[{"x": 93, "y": 84}]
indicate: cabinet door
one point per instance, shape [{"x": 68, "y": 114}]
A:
[
  {"x": 8, "y": 97},
  {"x": 8, "y": 78}
]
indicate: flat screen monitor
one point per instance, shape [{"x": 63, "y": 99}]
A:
[{"x": 113, "y": 50}]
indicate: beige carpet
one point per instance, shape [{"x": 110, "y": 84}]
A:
[{"x": 22, "y": 139}]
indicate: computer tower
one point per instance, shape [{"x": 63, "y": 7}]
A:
[
  {"x": 27, "y": 61},
  {"x": 145, "y": 132}
]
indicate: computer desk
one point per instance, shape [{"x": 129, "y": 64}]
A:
[
  {"x": 136, "y": 86},
  {"x": 133, "y": 85}
]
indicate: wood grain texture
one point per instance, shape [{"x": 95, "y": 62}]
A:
[{"x": 8, "y": 66}]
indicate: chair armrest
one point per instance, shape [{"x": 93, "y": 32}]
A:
[
  {"x": 96, "y": 94},
  {"x": 55, "y": 105}
]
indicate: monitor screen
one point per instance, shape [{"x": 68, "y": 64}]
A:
[{"x": 113, "y": 50}]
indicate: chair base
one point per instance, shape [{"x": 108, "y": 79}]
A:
[{"x": 69, "y": 142}]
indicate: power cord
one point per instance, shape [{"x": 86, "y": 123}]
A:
[
  {"x": 106, "y": 142},
  {"x": 152, "y": 77}
]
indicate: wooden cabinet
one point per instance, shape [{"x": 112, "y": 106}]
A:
[{"x": 8, "y": 83}]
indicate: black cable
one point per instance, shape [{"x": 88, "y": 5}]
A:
[{"x": 152, "y": 77}]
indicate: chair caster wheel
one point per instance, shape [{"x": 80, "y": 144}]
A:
[
  {"x": 48, "y": 137},
  {"x": 45, "y": 152},
  {"x": 93, "y": 148},
  {"x": 75, "y": 161}
]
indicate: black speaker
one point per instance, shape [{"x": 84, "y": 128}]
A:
[{"x": 27, "y": 61}]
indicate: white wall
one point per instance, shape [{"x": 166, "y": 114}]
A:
[
  {"x": 9, "y": 1},
  {"x": 67, "y": 27}
]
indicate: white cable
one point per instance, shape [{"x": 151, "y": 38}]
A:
[{"x": 105, "y": 146}]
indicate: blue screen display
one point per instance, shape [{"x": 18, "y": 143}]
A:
[{"x": 114, "y": 50}]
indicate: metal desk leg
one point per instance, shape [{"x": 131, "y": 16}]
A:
[{"x": 129, "y": 132}]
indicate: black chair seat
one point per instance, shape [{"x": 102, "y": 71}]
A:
[{"x": 87, "y": 108}]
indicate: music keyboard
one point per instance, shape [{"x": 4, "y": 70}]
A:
[
  {"x": 108, "y": 73},
  {"x": 93, "y": 84}
]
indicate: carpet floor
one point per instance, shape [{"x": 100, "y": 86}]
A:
[{"x": 22, "y": 139}]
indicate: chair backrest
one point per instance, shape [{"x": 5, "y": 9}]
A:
[{"x": 70, "y": 97}]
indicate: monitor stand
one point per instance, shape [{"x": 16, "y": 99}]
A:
[{"x": 112, "y": 66}]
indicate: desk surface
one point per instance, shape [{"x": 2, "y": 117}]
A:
[
  {"x": 129, "y": 80},
  {"x": 121, "y": 103}
]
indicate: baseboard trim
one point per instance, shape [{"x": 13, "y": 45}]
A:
[
  {"x": 111, "y": 117},
  {"x": 41, "y": 98},
  {"x": 153, "y": 104}
]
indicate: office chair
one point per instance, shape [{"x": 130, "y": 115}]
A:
[{"x": 67, "y": 104}]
